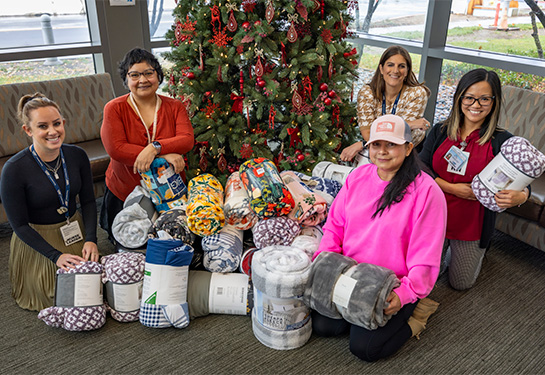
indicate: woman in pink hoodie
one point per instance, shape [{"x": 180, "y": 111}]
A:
[{"x": 390, "y": 214}]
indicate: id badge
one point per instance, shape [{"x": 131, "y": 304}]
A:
[
  {"x": 71, "y": 233},
  {"x": 457, "y": 160}
]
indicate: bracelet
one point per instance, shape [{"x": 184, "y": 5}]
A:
[{"x": 527, "y": 196}]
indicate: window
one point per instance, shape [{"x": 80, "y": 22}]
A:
[{"x": 160, "y": 17}]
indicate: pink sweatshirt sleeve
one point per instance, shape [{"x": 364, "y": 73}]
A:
[{"x": 425, "y": 246}]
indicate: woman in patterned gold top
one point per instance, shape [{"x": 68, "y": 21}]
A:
[{"x": 395, "y": 90}]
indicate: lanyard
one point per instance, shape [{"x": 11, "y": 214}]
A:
[
  {"x": 393, "y": 108},
  {"x": 152, "y": 138},
  {"x": 63, "y": 201}
]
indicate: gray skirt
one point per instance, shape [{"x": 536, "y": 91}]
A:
[{"x": 32, "y": 275}]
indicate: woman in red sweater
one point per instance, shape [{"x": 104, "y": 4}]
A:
[{"x": 137, "y": 128}]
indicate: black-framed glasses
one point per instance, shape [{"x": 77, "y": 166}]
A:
[
  {"x": 135, "y": 76},
  {"x": 484, "y": 101}
]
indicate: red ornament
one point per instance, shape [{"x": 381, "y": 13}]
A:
[
  {"x": 332, "y": 94},
  {"x": 222, "y": 163},
  {"x": 261, "y": 83},
  {"x": 319, "y": 73},
  {"x": 269, "y": 13},
  {"x": 326, "y": 36},
  {"x": 191, "y": 75},
  {"x": 257, "y": 23},
  {"x": 246, "y": 25},
  {"x": 297, "y": 152},
  {"x": 203, "y": 163},
  {"x": 327, "y": 101},
  {"x": 292, "y": 34},
  {"x": 246, "y": 151},
  {"x": 301, "y": 157},
  {"x": 232, "y": 24},
  {"x": 323, "y": 87}
]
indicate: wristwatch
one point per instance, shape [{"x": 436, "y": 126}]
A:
[{"x": 157, "y": 146}]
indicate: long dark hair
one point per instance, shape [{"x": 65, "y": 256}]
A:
[
  {"x": 135, "y": 56},
  {"x": 397, "y": 187},
  {"x": 377, "y": 82},
  {"x": 456, "y": 116}
]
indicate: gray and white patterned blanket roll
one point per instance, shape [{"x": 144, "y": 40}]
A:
[
  {"x": 278, "y": 230},
  {"x": 223, "y": 250}
]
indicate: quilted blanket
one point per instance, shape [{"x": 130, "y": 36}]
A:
[
  {"x": 339, "y": 288},
  {"x": 205, "y": 205},
  {"x": 268, "y": 195},
  {"x": 164, "y": 293},
  {"x": 279, "y": 230},
  {"x": 123, "y": 275},
  {"x": 166, "y": 187},
  {"x": 310, "y": 208},
  {"x": 516, "y": 165},
  {"x": 237, "y": 204},
  {"x": 223, "y": 250},
  {"x": 79, "y": 304}
]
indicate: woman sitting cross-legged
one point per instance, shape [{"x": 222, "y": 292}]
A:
[{"x": 393, "y": 215}]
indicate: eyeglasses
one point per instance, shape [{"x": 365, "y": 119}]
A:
[
  {"x": 484, "y": 101},
  {"x": 135, "y": 76}
]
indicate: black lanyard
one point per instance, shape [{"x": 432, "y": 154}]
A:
[
  {"x": 63, "y": 209},
  {"x": 393, "y": 108}
]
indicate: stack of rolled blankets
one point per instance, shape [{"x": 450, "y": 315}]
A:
[{"x": 280, "y": 319}]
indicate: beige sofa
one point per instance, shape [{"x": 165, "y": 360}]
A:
[
  {"x": 81, "y": 100},
  {"x": 523, "y": 114}
]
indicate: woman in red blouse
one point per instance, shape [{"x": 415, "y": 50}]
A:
[{"x": 456, "y": 151}]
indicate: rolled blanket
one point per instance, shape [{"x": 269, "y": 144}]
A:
[
  {"x": 310, "y": 208},
  {"x": 280, "y": 324},
  {"x": 205, "y": 205},
  {"x": 280, "y": 271},
  {"x": 173, "y": 222},
  {"x": 223, "y": 250},
  {"x": 123, "y": 276},
  {"x": 279, "y": 230},
  {"x": 79, "y": 304},
  {"x": 308, "y": 240},
  {"x": 214, "y": 293},
  {"x": 164, "y": 293},
  {"x": 358, "y": 294},
  {"x": 131, "y": 225},
  {"x": 516, "y": 165},
  {"x": 328, "y": 187},
  {"x": 246, "y": 261},
  {"x": 237, "y": 204},
  {"x": 268, "y": 195},
  {"x": 166, "y": 187},
  {"x": 327, "y": 169}
]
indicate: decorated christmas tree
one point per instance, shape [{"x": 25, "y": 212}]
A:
[{"x": 270, "y": 78}]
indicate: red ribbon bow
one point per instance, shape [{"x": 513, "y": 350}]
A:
[{"x": 237, "y": 105}]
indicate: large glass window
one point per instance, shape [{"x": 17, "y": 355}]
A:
[
  {"x": 396, "y": 18},
  {"x": 38, "y": 23},
  {"x": 494, "y": 27},
  {"x": 160, "y": 17}
]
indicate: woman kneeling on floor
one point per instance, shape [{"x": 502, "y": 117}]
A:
[{"x": 390, "y": 214}]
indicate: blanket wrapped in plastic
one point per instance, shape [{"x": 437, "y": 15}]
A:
[
  {"x": 516, "y": 165},
  {"x": 327, "y": 169},
  {"x": 339, "y": 288},
  {"x": 326, "y": 187},
  {"x": 223, "y": 250},
  {"x": 166, "y": 187},
  {"x": 279, "y": 230},
  {"x": 205, "y": 205},
  {"x": 79, "y": 304},
  {"x": 123, "y": 276},
  {"x": 237, "y": 204},
  {"x": 164, "y": 292},
  {"x": 308, "y": 240},
  {"x": 268, "y": 195},
  {"x": 310, "y": 208}
]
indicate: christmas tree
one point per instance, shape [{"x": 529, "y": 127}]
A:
[{"x": 270, "y": 78}]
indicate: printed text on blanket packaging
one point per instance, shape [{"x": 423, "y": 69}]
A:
[
  {"x": 343, "y": 290},
  {"x": 228, "y": 294},
  {"x": 165, "y": 285}
]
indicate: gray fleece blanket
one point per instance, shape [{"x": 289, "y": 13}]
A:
[{"x": 339, "y": 288}]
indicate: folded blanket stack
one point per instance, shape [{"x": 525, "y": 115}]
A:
[
  {"x": 79, "y": 304},
  {"x": 340, "y": 288},
  {"x": 215, "y": 293},
  {"x": 166, "y": 187},
  {"x": 205, "y": 205},
  {"x": 123, "y": 276},
  {"x": 310, "y": 208},
  {"x": 280, "y": 230},
  {"x": 326, "y": 187},
  {"x": 131, "y": 225},
  {"x": 280, "y": 319},
  {"x": 268, "y": 195},
  {"x": 308, "y": 240},
  {"x": 515, "y": 167},
  {"x": 237, "y": 204},
  {"x": 223, "y": 250},
  {"x": 164, "y": 292},
  {"x": 327, "y": 169}
]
